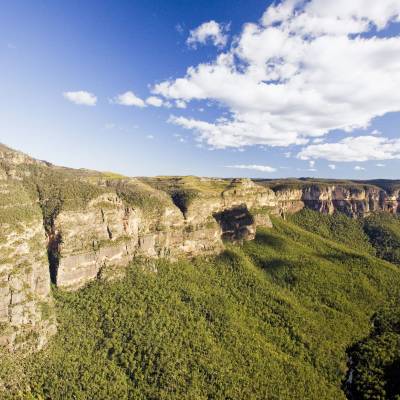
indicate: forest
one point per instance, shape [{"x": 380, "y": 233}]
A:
[{"x": 289, "y": 315}]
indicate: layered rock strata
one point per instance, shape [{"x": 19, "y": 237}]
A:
[
  {"x": 111, "y": 230},
  {"x": 354, "y": 200},
  {"x": 26, "y": 306},
  {"x": 72, "y": 226}
]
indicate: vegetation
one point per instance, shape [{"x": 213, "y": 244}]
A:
[
  {"x": 274, "y": 318},
  {"x": 138, "y": 194},
  {"x": 269, "y": 320},
  {"x": 299, "y": 183},
  {"x": 389, "y": 185},
  {"x": 337, "y": 227},
  {"x": 375, "y": 361},
  {"x": 57, "y": 188},
  {"x": 185, "y": 189},
  {"x": 16, "y": 204},
  {"x": 383, "y": 231}
]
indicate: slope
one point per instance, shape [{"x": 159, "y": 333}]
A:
[{"x": 269, "y": 320}]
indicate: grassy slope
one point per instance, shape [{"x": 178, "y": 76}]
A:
[
  {"x": 337, "y": 227},
  {"x": 184, "y": 189},
  {"x": 269, "y": 320},
  {"x": 383, "y": 231},
  {"x": 376, "y": 359}
]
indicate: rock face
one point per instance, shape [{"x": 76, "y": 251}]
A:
[
  {"x": 69, "y": 227},
  {"x": 111, "y": 229},
  {"x": 26, "y": 307},
  {"x": 236, "y": 224},
  {"x": 354, "y": 200}
]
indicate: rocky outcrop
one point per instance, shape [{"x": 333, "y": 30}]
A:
[
  {"x": 352, "y": 199},
  {"x": 237, "y": 224},
  {"x": 69, "y": 227},
  {"x": 111, "y": 229},
  {"x": 26, "y": 307}
]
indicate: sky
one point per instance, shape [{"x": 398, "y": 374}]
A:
[{"x": 253, "y": 88}]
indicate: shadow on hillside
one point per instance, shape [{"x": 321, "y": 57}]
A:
[
  {"x": 276, "y": 243},
  {"x": 282, "y": 271},
  {"x": 344, "y": 258}
]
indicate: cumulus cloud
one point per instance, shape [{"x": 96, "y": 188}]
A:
[
  {"x": 360, "y": 148},
  {"x": 208, "y": 31},
  {"x": 255, "y": 167},
  {"x": 295, "y": 75},
  {"x": 332, "y": 166},
  {"x": 81, "y": 97},
  {"x": 180, "y": 104},
  {"x": 380, "y": 165},
  {"x": 358, "y": 168},
  {"x": 129, "y": 99},
  {"x": 154, "y": 101}
]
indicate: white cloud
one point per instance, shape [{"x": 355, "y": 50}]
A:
[
  {"x": 332, "y": 166},
  {"x": 180, "y": 104},
  {"x": 358, "y": 168},
  {"x": 224, "y": 133},
  {"x": 376, "y": 132},
  {"x": 311, "y": 164},
  {"x": 287, "y": 154},
  {"x": 295, "y": 76},
  {"x": 81, "y": 97},
  {"x": 129, "y": 99},
  {"x": 380, "y": 165},
  {"x": 210, "y": 30},
  {"x": 361, "y": 148},
  {"x": 255, "y": 167},
  {"x": 154, "y": 101},
  {"x": 150, "y": 137}
]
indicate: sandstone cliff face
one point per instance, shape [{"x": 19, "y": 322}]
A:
[
  {"x": 84, "y": 241},
  {"x": 239, "y": 192},
  {"x": 73, "y": 226},
  {"x": 391, "y": 201},
  {"x": 355, "y": 200},
  {"x": 288, "y": 200},
  {"x": 26, "y": 308},
  {"x": 112, "y": 229}
]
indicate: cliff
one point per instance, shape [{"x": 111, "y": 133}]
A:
[
  {"x": 70, "y": 226},
  {"x": 26, "y": 314}
]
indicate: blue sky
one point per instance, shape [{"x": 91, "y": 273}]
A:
[{"x": 108, "y": 48}]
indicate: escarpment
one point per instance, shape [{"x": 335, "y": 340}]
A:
[
  {"x": 26, "y": 307},
  {"x": 68, "y": 227}
]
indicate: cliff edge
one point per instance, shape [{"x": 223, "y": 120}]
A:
[{"x": 68, "y": 227}]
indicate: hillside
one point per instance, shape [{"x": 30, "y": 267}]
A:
[
  {"x": 271, "y": 319},
  {"x": 187, "y": 287}
]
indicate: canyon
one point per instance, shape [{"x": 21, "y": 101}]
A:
[{"x": 66, "y": 227}]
